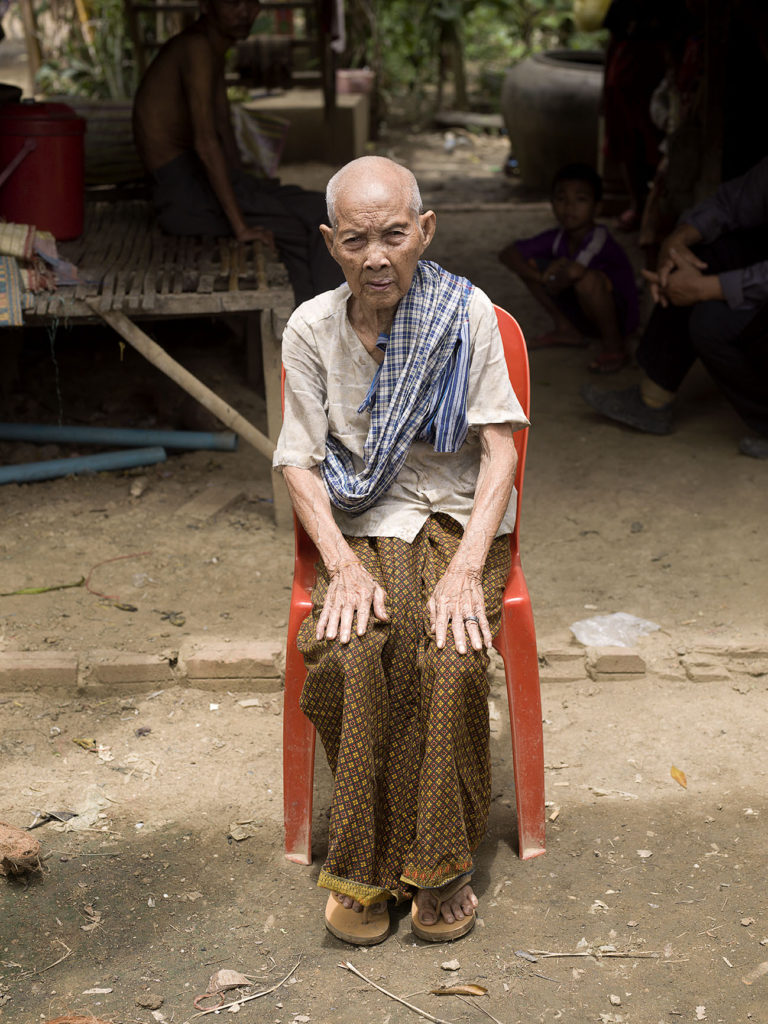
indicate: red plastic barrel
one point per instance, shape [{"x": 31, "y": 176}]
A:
[{"x": 46, "y": 189}]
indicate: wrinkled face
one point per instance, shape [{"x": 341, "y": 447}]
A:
[
  {"x": 232, "y": 18},
  {"x": 573, "y": 203},
  {"x": 378, "y": 240}
]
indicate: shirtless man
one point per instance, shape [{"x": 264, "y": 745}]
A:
[{"x": 183, "y": 132}]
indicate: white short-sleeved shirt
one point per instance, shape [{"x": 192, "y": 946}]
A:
[{"x": 327, "y": 375}]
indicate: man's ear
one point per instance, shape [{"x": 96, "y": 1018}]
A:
[
  {"x": 428, "y": 224},
  {"x": 328, "y": 235}
]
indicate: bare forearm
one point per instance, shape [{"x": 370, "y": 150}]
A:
[
  {"x": 514, "y": 260},
  {"x": 498, "y": 462},
  {"x": 313, "y": 507},
  {"x": 352, "y": 591},
  {"x": 212, "y": 155}
]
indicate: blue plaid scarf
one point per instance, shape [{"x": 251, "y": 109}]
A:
[{"x": 419, "y": 392}]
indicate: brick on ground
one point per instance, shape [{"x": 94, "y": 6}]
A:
[
  {"x": 237, "y": 664},
  {"x": 25, "y": 670},
  {"x": 562, "y": 665},
  {"x": 118, "y": 669},
  {"x": 614, "y": 662}
]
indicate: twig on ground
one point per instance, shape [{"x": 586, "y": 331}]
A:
[
  {"x": 68, "y": 953},
  {"x": 598, "y": 955},
  {"x": 347, "y": 966},
  {"x": 471, "y": 1002},
  {"x": 247, "y": 999}
]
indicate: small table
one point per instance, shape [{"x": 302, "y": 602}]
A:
[{"x": 129, "y": 270}]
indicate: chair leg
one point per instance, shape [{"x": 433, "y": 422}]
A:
[
  {"x": 298, "y": 764},
  {"x": 517, "y": 645}
]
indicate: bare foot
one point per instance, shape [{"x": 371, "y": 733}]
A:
[
  {"x": 555, "y": 338},
  {"x": 350, "y": 904},
  {"x": 459, "y": 906}
]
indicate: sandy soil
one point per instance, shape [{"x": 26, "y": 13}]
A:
[{"x": 155, "y": 894}]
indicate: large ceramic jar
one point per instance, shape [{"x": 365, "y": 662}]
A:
[{"x": 550, "y": 103}]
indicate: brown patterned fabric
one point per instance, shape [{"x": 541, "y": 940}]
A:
[{"x": 404, "y": 725}]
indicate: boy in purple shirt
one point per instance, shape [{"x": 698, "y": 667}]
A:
[{"x": 579, "y": 273}]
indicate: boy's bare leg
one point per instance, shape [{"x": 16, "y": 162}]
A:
[
  {"x": 596, "y": 298},
  {"x": 563, "y": 332}
]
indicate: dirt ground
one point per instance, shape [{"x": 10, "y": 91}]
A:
[{"x": 653, "y": 895}]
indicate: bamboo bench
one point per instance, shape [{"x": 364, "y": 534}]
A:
[{"x": 129, "y": 270}]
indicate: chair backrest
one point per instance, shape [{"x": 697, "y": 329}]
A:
[{"x": 516, "y": 355}]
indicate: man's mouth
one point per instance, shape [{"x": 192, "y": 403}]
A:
[{"x": 379, "y": 285}]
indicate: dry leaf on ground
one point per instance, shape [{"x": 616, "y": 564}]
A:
[
  {"x": 459, "y": 990},
  {"x": 226, "y": 979}
]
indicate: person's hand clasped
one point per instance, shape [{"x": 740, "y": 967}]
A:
[
  {"x": 351, "y": 592},
  {"x": 458, "y": 599},
  {"x": 680, "y": 282},
  {"x": 673, "y": 259},
  {"x": 561, "y": 274}
]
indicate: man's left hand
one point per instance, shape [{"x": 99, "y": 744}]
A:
[
  {"x": 685, "y": 284},
  {"x": 458, "y": 599}
]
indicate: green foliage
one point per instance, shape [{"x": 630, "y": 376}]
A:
[
  {"x": 102, "y": 68},
  {"x": 402, "y": 39}
]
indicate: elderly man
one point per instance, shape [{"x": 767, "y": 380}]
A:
[
  {"x": 184, "y": 135},
  {"x": 711, "y": 291},
  {"x": 397, "y": 450}
]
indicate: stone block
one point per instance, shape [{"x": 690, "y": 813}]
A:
[
  {"x": 622, "y": 661},
  {"x": 233, "y": 665},
  {"x": 119, "y": 669},
  {"x": 562, "y": 665},
  {"x": 33, "y": 670}
]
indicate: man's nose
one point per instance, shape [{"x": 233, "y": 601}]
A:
[{"x": 376, "y": 255}]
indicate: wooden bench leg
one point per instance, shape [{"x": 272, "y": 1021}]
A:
[{"x": 272, "y": 363}]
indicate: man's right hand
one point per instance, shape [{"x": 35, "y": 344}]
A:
[
  {"x": 256, "y": 234},
  {"x": 352, "y": 591},
  {"x": 675, "y": 252}
]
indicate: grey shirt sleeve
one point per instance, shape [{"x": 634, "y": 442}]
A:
[{"x": 740, "y": 203}]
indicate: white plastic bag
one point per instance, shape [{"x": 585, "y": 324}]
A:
[{"x": 617, "y": 630}]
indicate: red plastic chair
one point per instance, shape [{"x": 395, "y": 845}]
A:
[{"x": 516, "y": 642}]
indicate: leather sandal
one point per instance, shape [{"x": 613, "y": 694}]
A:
[
  {"x": 360, "y": 929},
  {"x": 442, "y": 931}
]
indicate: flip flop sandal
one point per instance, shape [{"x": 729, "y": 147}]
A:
[
  {"x": 609, "y": 362},
  {"x": 359, "y": 929},
  {"x": 441, "y": 931}
]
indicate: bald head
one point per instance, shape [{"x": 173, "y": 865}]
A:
[{"x": 374, "y": 176}]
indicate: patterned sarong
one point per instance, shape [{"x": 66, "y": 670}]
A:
[
  {"x": 419, "y": 391},
  {"x": 404, "y": 725}
]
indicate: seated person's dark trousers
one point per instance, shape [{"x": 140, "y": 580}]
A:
[
  {"x": 731, "y": 343},
  {"x": 187, "y": 205}
]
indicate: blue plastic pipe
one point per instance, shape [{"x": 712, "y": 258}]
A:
[
  {"x": 224, "y": 441},
  {"x": 29, "y": 471}
]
